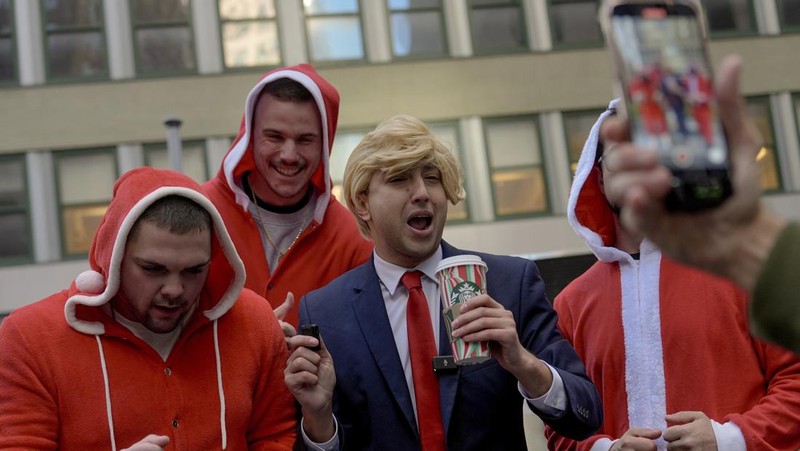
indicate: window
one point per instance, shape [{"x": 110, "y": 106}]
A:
[
  {"x": 789, "y": 14},
  {"x": 729, "y": 17},
  {"x": 346, "y": 141},
  {"x": 417, "y": 28},
  {"x": 75, "y": 41},
  {"x": 8, "y": 65},
  {"x": 85, "y": 180},
  {"x": 162, "y": 36},
  {"x": 574, "y": 23},
  {"x": 334, "y": 30},
  {"x": 193, "y": 155},
  {"x": 497, "y": 26},
  {"x": 249, "y": 33},
  {"x": 447, "y": 133},
  {"x": 767, "y": 158},
  {"x": 515, "y": 160},
  {"x": 15, "y": 233},
  {"x": 343, "y": 146},
  {"x": 577, "y": 125}
]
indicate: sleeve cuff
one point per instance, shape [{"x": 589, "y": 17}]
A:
[
  {"x": 729, "y": 436},
  {"x": 330, "y": 445},
  {"x": 552, "y": 403}
]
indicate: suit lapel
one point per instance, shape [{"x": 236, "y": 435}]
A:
[
  {"x": 374, "y": 322},
  {"x": 448, "y": 382}
]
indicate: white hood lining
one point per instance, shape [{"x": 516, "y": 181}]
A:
[
  {"x": 239, "y": 148},
  {"x": 118, "y": 252}
]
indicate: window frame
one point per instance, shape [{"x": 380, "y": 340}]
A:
[
  {"x": 25, "y": 208},
  {"x": 572, "y": 45},
  {"x": 221, "y": 23},
  {"x": 73, "y": 29},
  {"x": 490, "y": 168},
  {"x": 335, "y": 62},
  {"x": 418, "y": 9},
  {"x": 564, "y": 115},
  {"x": 785, "y": 28},
  {"x": 766, "y": 101},
  {"x": 147, "y": 147},
  {"x": 458, "y": 150},
  {"x": 61, "y": 206},
  {"x": 137, "y": 63},
  {"x": 11, "y": 35},
  {"x": 507, "y": 51},
  {"x": 752, "y": 29}
]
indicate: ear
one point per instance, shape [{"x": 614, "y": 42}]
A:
[{"x": 361, "y": 207}]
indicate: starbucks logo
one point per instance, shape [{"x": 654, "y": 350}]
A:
[{"x": 464, "y": 291}]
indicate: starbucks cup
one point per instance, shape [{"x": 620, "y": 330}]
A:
[{"x": 460, "y": 278}]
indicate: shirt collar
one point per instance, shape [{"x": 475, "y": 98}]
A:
[{"x": 390, "y": 274}]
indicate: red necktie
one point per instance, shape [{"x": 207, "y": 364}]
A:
[{"x": 422, "y": 348}]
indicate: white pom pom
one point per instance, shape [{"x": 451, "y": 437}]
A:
[{"x": 90, "y": 282}]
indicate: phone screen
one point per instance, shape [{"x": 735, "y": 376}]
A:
[{"x": 666, "y": 78}]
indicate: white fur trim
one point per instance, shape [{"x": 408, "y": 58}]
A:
[
  {"x": 641, "y": 324},
  {"x": 118, "y": 252},
  {"x": 233, "y": 157},
  {"x": 582, "y": 173}
]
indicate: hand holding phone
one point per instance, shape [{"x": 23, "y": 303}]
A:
[
  {"x": 313, "y": 331},
  {"x": 658, "y": 49}
]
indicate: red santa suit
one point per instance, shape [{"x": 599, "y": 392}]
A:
[
  {"x": 699, "y": 93},
  {"x": 330, "y": 244},
  {"x": 72, "y": 377},
  {"x": 643, "y": 91},
  {"x": 658, "y": 338}
]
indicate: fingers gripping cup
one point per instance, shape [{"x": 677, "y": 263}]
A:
[{"x": 460, "y": 278}]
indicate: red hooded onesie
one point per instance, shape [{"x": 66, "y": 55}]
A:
[
  {"x": 658, "y": 338},
  {"x": 73, "y": 378},
  {"x": 329, "y": 246}
]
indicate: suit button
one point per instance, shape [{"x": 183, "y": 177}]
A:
[
  {"x": 175, "y": 423},
  {"x": 168, "y": 371}
]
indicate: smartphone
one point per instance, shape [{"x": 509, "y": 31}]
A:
[
  {"x": 311, "y": 330},
  {"x": 659, "y": 53}
]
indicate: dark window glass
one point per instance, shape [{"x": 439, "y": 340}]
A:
[
  {"x": 729, "y": 16},
  {"x": 417, "y": 32},
  {"x": 574, "y": 23},
  {"x": 6, "y": 17},
  {"x": 159, "y": 11},
  {"x": 497, "y": 26},
  {"x": 162, "y": 36},
  {"x": 789, "y": 12},
  {"x": 60, "y": 14},
  {"x": 75, "y": 39},
  {"x": 8, "y": 66},
  {"x": 15, "y": 242}
]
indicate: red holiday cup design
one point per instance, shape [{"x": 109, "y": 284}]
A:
[{"x": 460, "y": 278}]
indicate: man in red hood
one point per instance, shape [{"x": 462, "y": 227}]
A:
[
  {"x": 274, "y": 189},
  {"x": 667, "y": 345},
  {"x": 157, "y": 346}
]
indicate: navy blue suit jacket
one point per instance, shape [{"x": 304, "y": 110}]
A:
[{"x": 480, "y": 404}]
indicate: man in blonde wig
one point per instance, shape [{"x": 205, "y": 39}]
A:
[{"x": 397, "y": 183}]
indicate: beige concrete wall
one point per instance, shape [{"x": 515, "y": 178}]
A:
[{"x": 81, "y": 115}]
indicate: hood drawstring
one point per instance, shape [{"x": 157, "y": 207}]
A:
[
  {"x": 220, "y": 390},
  {"x": 223, "y": 429},
  {"x": 108, "y": 394}
]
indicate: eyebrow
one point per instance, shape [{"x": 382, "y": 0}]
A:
[{"x": 143, "y": 261}]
